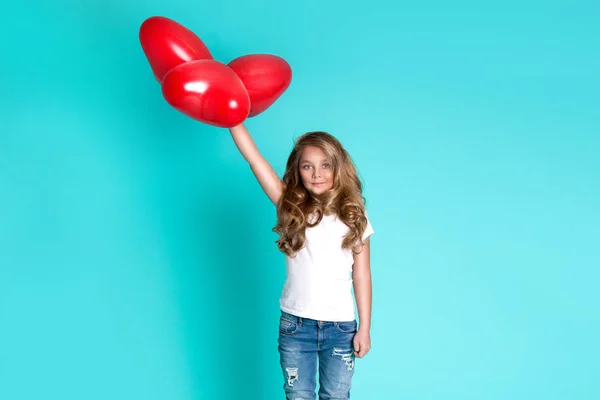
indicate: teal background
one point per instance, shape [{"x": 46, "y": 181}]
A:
[{"x": 137, "y": 259}]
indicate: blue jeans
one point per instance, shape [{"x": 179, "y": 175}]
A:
[{"x": 305, "y": 344}]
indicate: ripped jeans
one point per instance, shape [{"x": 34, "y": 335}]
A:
[{"x": 304, "y": 345}]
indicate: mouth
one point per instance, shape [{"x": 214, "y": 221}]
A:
[{"x": 317, "y": 184}]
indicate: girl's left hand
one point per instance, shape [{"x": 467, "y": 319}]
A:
[{"x": 362, "y": 343}]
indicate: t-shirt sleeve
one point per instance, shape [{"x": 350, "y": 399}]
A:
[{"x": 368, "y": 230}]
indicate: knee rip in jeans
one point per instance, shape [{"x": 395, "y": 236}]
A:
[
  {"x": 346, "y": 355},
  {"x": 292, "y": 375}
]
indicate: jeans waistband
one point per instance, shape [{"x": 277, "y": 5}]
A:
[{"x": 303, "y": 320}]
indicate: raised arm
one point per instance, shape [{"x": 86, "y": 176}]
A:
[{"x": 266, "y": 176}]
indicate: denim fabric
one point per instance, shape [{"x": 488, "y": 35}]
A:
[{"x": 305, "y": 345}]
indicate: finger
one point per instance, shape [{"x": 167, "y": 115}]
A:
[
  {"x": 360, "y": 351},
  {"x": 364, "y": 350}
]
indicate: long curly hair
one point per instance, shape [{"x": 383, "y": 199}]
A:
[{"x": 298, "y": 208}]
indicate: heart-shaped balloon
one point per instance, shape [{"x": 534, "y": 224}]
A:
[
  {"x": 168, "y": 44},
  {"x": 208, "y": 91},
  {"x": 265, "y": 77}
]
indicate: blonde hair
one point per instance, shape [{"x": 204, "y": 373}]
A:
[{"x": 296, "y": 204}]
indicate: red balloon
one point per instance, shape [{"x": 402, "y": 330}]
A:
[
  {"x": 265, "y": 76},
  {"x": 168, "y": 44},
  {"x": 208, "y": 91}
]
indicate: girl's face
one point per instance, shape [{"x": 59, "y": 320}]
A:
[{"x": 316, "y": 170}]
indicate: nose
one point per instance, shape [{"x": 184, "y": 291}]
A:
[{"x": 316, "y": 173}]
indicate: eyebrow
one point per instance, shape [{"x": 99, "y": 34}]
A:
[{"x": 306, "y": 161}]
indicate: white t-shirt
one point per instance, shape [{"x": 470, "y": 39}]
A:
[{"x": 319, "y": 277}]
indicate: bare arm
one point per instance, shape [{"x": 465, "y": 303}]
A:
[
  {"x": 266, "y": 176},
  {"x": 363, "y": 292}
]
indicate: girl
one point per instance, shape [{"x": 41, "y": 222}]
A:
[{"x": 324, "y": 232}]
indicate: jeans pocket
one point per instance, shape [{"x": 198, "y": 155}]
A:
[
  {"x": 346, "y": 326},
  {"x": 287, "y": 327}
]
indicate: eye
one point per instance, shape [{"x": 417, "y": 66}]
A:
[
  {"x": 306, "y": 166},
  {"x": 325, "y": 165}
]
